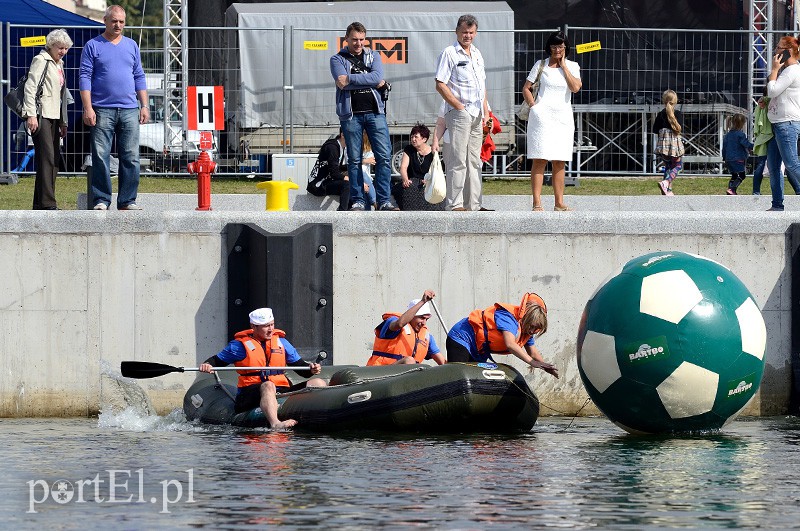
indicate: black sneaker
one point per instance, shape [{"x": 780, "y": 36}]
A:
[{"x": 388, "y": 206}]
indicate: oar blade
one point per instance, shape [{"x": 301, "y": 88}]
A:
[{"x": 146, "y": 369}]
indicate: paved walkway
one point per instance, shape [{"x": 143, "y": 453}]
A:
[{"x": 586, "y": 203}]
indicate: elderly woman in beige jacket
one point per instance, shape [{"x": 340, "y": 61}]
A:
[{"x": 46, "y": 115}]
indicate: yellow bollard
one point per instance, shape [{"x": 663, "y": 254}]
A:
[{"x": 277, "y": 194}]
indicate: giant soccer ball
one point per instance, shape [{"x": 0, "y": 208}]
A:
[{"x": 673, "y": 342}]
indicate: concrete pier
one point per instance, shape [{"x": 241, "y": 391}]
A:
[{"x": 83, "y": 290}]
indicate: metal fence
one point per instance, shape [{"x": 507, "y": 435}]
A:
[{"x": 279, "y": 96}]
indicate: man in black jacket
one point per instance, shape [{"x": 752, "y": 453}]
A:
[{"x": 329, "y": 176}]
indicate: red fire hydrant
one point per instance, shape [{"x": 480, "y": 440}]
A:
[{"x": 203, "y": 167}]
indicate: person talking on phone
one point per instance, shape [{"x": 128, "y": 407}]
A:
[
  {"x": 783, "y": 112},
  {"x": 551, "y": 125}
]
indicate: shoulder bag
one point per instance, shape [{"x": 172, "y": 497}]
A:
[
  {"x": 525, "y": 109},
  {"x": 16, "y": 97},
  {"x": 435, "y": 184},
  {"x": 384, "y": 90}
]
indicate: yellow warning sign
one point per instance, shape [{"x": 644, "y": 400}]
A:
[
  {"x": 587, "y": 47},
  {"x": 315, "y": 45},
  {"x": 32, "y": 41}
]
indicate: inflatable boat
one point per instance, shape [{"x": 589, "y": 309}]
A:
[{"x": 449, "y": 398}]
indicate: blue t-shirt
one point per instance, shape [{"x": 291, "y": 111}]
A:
[
  {"x": 385, "y": 333},
  {"x": 463, "y": 334},
  {"x": 112, "y": 73}
]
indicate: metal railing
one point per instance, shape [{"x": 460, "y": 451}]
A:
[{"x": 279, "y": 95}]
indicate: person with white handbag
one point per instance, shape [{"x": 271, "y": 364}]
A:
[{"x": 416, "y": 175}]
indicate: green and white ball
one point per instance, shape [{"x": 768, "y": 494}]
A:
[{"x": 673, "y": 342}]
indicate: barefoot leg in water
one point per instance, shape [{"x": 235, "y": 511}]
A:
[{"x": 269, "y": 405}]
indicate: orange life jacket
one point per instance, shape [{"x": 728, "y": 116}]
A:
[
  {"x": 256, "y": 357},
  {"x": 488, "y": 338},
  {"x": 407, "y": 344}
]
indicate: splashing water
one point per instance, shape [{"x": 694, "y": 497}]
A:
[
  {"x": 133, "y": 419},
  {"x": 127, "y": 407},
  {"x": 123, "y": 393}
]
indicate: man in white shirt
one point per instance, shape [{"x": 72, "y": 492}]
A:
[{"x": 461, "y": 81}]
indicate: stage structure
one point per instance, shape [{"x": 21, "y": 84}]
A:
[
  {"x": 176, "y": 75},
  {"x": 628, "y": 129},
  {"x": 760, "y": 53}
]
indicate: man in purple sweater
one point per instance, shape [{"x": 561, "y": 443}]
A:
[{"x": 111, "y": 79}]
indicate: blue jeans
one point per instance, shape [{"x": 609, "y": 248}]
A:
[
  {"x": 378, "y": 134},
  {"x": 124, "y": 123},
  {"x": 373, "y": 198},
  {"x": 783, "y": 148},
  {"x": 758, "y": 173}
]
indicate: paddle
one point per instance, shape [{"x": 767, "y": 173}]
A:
[
  {"x": 436, "y": 309},
  {"x": 146, "y": 369}
]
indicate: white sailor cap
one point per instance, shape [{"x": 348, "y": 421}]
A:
[
  {"x": 261, "y": 316},
  {"x": 425, "y": 309}
]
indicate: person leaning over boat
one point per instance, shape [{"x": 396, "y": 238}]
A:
[
  {"x": 260, "y": 388},
  {"x": 501, "y": 329},
  {"x": 405, "y": 338}
]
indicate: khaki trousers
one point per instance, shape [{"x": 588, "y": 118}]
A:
[{"x": 462, "y": 160}]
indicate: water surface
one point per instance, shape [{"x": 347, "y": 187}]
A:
[{"x": 565, "y": 473}]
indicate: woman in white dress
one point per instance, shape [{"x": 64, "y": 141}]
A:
[{"x": 551, "y": 127}]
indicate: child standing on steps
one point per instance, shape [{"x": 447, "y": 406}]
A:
[
  {"x": 668, "y": 125},
  {"x": 735, "y": 150}
]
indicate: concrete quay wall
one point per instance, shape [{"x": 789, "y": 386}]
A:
[{"x": 82, "y": 291}]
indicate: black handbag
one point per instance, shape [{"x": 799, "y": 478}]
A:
[
  {"x": 16, "y": 97},
  {"x": 316, "y": 184}
]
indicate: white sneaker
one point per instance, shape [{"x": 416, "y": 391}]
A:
[
  {"x": 100, "y": 206},
  {"x": 130, "y": 206}
]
